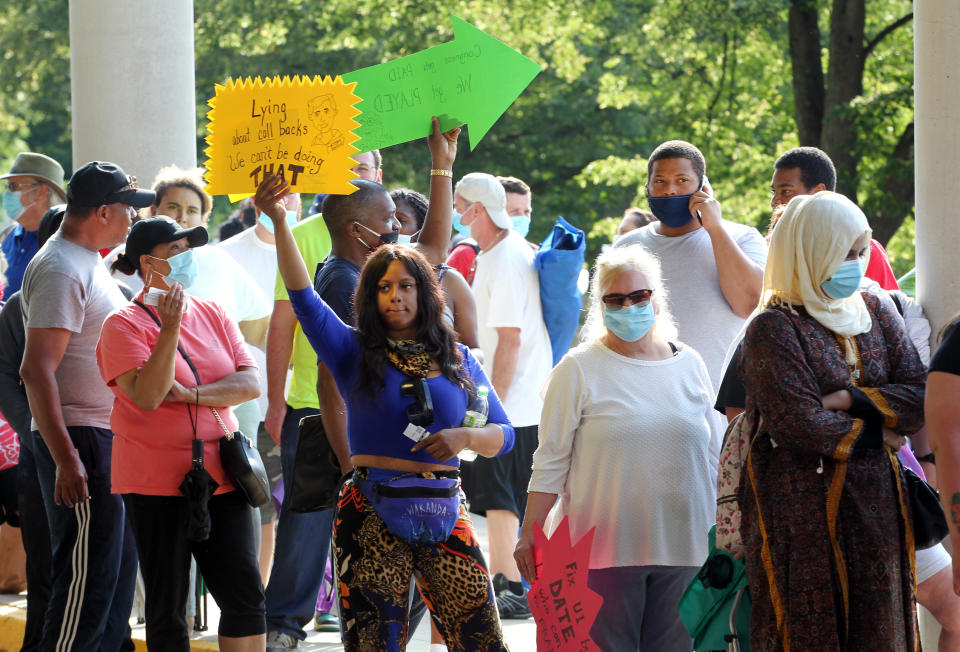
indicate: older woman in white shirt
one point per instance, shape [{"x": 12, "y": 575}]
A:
[{"x": 626, "y": 443}]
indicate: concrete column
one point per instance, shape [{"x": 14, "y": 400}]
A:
[
  {"x": 936, "y": 167},
  {"x": 132, "y": 84},
  {"x": 937, "y": 156}
]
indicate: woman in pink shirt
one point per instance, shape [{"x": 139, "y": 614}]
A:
[{"x": 159, "y": 409}]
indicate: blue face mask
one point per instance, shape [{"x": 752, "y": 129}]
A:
[
  {"x": 458, "y": 225},
  {"x": 12, "y": 206},
  {"x": 845, "y": 280},
  {"x": 404, "y": 239},
  {"x": 183, "y": 269},
  {"x": 630, "y": 323},
  {"x": 521, "y": 224},
  {"x": 672, "y": 211},
  {"x": 268, "y": 223}
]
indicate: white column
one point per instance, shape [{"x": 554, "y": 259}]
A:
[
  {"x": 936, "y": 168},
  {"x": 937, "y": 156},
  {"x": 132, "y": 84}
]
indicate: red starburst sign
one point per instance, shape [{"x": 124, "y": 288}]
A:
[{"x": 562, "y": 605}]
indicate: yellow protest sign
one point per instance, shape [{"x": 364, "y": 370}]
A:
[{"x": 300, "y": 129}]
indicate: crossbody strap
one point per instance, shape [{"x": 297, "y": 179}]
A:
[
  {"x": 186, "y": 357},
  {"x": 227, "y": 433},
  {"x": 226, "y": 430}
]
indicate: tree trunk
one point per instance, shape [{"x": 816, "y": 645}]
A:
[
  {"x": 844, "y": 84},
  {"x": 808, "y": 87},
  {"x": 898, "y": 188}
]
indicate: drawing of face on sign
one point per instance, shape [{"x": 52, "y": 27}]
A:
[{"x": 322, "y": 111}]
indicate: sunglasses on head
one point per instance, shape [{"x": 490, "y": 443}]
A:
[
  {"x": 420, "y": 412},
  {"x": 620, "y": 300}
]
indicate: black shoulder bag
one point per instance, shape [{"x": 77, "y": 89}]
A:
[
  {"x": 929, "y": 522},
  {"x": 240, "y": 459},
  {"x": 316, "y": 469}
]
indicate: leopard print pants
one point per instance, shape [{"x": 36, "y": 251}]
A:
[{"x": 374, "y": 571}]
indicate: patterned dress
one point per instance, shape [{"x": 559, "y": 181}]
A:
[{"x": 825, "y": 520}]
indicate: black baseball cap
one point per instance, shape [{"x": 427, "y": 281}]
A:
[
  {"x": 97, "y": 184},
  {"x": 147, "y": 234}
]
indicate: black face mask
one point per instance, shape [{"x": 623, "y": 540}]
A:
[{"x": 384, "y": 238}]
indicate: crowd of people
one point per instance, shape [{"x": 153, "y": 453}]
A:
[{"x": 131, "y": 344}]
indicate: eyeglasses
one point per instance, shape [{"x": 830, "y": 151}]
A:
[
  {"x": 617, "y": 301},
  {"x": 17, "y": 187}
]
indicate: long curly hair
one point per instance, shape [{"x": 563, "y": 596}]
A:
[{"x": 431, "y": 329}]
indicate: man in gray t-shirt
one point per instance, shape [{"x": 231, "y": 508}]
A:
[
  {"x": 712, "y": 268},
  {"x": 66, "y": 295}
]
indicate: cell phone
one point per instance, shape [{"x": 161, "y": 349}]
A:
[{"x": 702, "y": 184}]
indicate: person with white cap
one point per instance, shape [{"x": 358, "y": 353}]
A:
[
  {"x": 34, "y": 185},
  {"x": 517, "y": 359}
]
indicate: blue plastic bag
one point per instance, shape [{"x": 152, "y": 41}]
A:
[{"x": 558, "y": 263}]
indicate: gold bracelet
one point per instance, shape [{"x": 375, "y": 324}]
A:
[{"x": 440, "y": 172}]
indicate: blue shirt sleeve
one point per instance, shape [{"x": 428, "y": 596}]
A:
[
  {"x": 496, "y": 413},
  {"x": 336, "y": 343}
]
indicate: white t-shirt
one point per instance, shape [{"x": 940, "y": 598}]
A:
[
  {"x": 705, "y": 320},
  {"x": 259, "y": 258},
  {"x": 225, "y": 281},
  {"x": 66, "y": 286},
  {"x": 630, "y": 447},
  {"x": 507, "y": 290}
]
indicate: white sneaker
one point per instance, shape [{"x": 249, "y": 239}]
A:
[{"x": 278, "y": 642}]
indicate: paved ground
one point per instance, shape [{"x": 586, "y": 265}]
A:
[{"x": 521, "y": 635}]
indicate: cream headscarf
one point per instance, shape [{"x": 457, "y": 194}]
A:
[{"x": 809, "y": 243}]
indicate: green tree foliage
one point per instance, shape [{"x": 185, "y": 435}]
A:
[
  {"x": 742, "y": 79},
  {"x": 35, "y": 79}
]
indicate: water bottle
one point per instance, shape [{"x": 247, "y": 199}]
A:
[
  {"x": 475, "y": 417},
  {"x": 477, "y": 410}
]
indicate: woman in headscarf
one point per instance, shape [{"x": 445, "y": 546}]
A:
[{"x": 836, "y": 385}]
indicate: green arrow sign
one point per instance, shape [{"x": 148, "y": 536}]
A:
[{"x": 470, "y": 80}]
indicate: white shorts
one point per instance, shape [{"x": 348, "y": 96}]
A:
[{"x": 931, "y": 561}]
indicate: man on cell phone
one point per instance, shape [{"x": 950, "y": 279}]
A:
[{"x": 713, "y": 268}]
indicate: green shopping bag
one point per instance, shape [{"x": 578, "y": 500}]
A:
[{"x": 708, "y": 600}]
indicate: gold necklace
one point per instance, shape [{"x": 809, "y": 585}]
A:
[{"x": 500, "y": 236}]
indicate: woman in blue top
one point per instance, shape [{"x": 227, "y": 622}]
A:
[{"x": 407, "y": 385}]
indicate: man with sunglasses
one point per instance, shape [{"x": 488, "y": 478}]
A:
[
  {"x": 67, "y": 294},
  {"x": 33, "y": 185}
]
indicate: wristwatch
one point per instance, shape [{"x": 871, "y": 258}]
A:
[{"x": 928, "y": 458}]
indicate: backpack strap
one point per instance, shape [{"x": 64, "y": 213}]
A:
[{"x": 897, "y": 302}]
